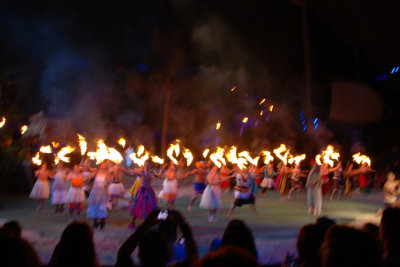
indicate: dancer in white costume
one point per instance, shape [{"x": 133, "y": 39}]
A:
[
  {"x": 41, "y": 189},
  {"x": 211, "y": 199},
  {"x": 59, "y": 189},
  {"x": 170, "y": 186},
  {"x": 116, "y": 189}
]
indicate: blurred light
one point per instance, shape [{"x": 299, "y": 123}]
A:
[
  {"x": 377, "y": 79},
  {"x": 301, "y": 113},
  {"x": 384, "y": 77},
  {"x": 393, "y": 70},
  {"x": 233, "y": 88},
  {"x": 142, "y": 67},
  {"x": 316, "y": 119},
  {"x": 303, "y": 122},
  {"x": 245, "y": 119},
  {"x": 316, "y": 126},
  {"x": 262, "y": 101},
  {"x": 397, "y": 68},
  {"x": 305, "y": 127}
]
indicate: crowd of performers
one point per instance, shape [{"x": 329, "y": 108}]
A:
[{"x": 101, "y": 187}]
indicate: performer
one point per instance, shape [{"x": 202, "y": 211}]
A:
[
  {"x": 98, "y": 197},
  {"x": 364, "y": 179},
  {"x": 338, "y": 181},
  {"x": 224, "y": 173},
  {"x": 59, "y": 189},
  {"x": 327, "y": 183},
  {"x": 170, "y": 186},
  {"x": 296, "y": 183},
  {"x": 391, "y": 190},
  {"x": 200, "y": 174},
  {"x": 211, "y": 199},
  {"x": 268, "y": 181},
  {"x": 145, "y": 199},
  {"x": 253, "y": 175},
  {"x": 277, "y": 185},
  {"x": 284, "y": 183},
  {"x": 243, "y": 194},
  {"x": 314, "y": 190},
  {"x": 41, "y": 189},
  {"x": 116, "y": 189},
  {"x": 76, "y": 193}
]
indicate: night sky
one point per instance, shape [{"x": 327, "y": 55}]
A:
[{"x": 106, "y": 68}]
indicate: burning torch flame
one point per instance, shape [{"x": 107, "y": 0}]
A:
[
  {"x": 233, "y": 88},
  {"x": 361, "y": 159},
  {"x": 122, "y": 142},
  {"x": 55, "y": 144},
  {"x": 205, "y": 152},
  {"x": 262, "y": 112},
  {"x": 231, "y": 156},
  {"x": 268, "y": 157},
  {"x": 173, "y": 148},
  {"x": 188, "y": 156},
  {"x": 328, "y": 155},
  {"x": 82, "y": 144},
  {"x": 218, "y": 157},
  {"x": 103, "y": 152},
  {"x": 157, "y": 159},
  {"x": 24, "y": 129},
  {"x": 62, "y": 154},
  {"x": 45, "y": 149},
  {"x": 3, "y": 122},
  {"x": 280, "y": 150},
  {"x": 140, "y": 150},
  {"x": 218, "y": 125},
  {"x": 37, "y": 160},
  {"x": 246, "y": 155},
  {"x": 296, "y": 159},
  {"x": 245, "y": 119},
  {"x": 139, "y": 161},
  {"x": 262, "y": 101},
  {"x": 271, "y": 108}
]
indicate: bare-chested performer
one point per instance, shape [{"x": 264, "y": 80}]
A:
[{"x": 200, "y": 174}]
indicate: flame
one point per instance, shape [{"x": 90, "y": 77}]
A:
[
  {"x": 37, "y": 160},
  {"x": 231, "y": 156},
  {"x": 218, "y": 125},
  {"x": 268, "y": 157},
  {"x": 188, "y": 156},
  {"x": 262, "y": 112},
  {"x": 157, "y": 159},
  {"x": 55, "y": 144},
  {"x": 246, "y": 155},
  {"x": 139, "y": 161},
  {"x": 245, "y": 119},
  {"x": 205, "y": 152},
  {"x": 296, "y": 159},
  {"x": 278, "y": 152},
  {"x": 82, "y": 144},
  {"x": 122, "y": 142},
  {"x": 262, "y": 101},
  {"x": 3, "y": 122},
  {"x": 328, "y": 155},
  {"x": 173, "y": 148},
  {"x": 140, "y": 150},
  {"x": 103, "y": 152},
  {"x": 45, "y": 149},
  {"x": 24, "y": 129},
  {"x": 271, "y": 108},
  {"x": 233, "y": 88},
  {"x": 361, "y": 159},
  {"x": 62, "y": 154},
  {"x": 218, "y": 157}
]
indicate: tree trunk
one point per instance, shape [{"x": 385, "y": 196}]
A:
[{"x": 168, "y": 93}]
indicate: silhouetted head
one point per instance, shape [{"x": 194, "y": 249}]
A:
[
  {"x": 17, "y": 252},
  {"x": 238, "y": 234},
  {"x": 389, "y": 230},
  {"x": 153, "y": 249},
  {"x": 13, "y": 228},
  {"x": 231, "y": 256},
  {"x": 325, "y": 223},
  {"x": 309, "y": 242},
  {"x": 347, "y": 247},
  {"x": 76, "y": 247}
]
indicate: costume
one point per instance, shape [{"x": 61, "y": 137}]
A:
[
  {"x": 41, "y": 189},
  {"x": 314, "y": 190},
  {"x": 252, "y": 182},
  {"x": 211, "y": 199},
  {"x": 76, "y": 194},
  {"x": 199, "y": 188},
  {"x": 59, "y": 189},
  {"x": 243, "y": 194},
  {"x": 338, "y": 180},
  {"x": 145, "y": 199},
  {"x": 98, "y": 197},
  {"x": 268, "y": 181}
]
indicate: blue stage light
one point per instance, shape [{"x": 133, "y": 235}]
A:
[{"x": 316, "y": 119}]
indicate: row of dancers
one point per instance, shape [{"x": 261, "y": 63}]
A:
[{"x": 107, "y": 187}]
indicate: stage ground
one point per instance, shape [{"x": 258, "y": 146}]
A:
[{"x": 275, "y": 226}]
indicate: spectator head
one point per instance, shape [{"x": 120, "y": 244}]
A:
[
  {"x": 389, "y": 231},
  {"x": 153, "y": 249},
  {"x": 347, "y": 247},
  {"x": 372, "y": 230},
  {"x": 231, "y": 256},
  {"x": 238, "y": 234},
  {"x": 309, "y": 242},
  {"x": 13, "y": 228},
  {"x": 76, "y": 247},
  {"x": 17, "y": 252},
  {"x": 215, "y": 244},
  {"x": 325, "y": 223}
]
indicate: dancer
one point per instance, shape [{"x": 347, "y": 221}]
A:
[
  {"x": 59, "y": 189},
  {"x": 243, "y": 194},
  {"x": 295, "y": 181},
  {"x": 76, "y": 193},
  {"x": 268, "y": 181},
  {"x": 98, "y": 197},
  {"x": 364, "y": 179},
  {"x": 253, "y": 175},
  {"x": 145, "y": 199},
  {"x": 338, "y": 181},
  {"x": 391, "y": 190},
  {"x": 170, "y": 186},
  {"x": 116, "y": 189},
  {"x": 41, "y": 189},
  {"x": 314, "y": 190},
  {"x": 211, "y": 199},
  {"x": 200, "y": 174},
  {"x": 225, "y": 184}
]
